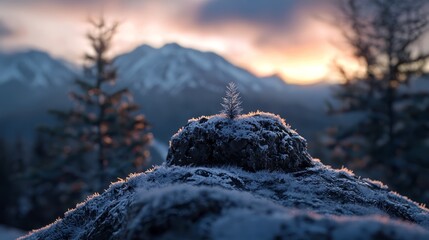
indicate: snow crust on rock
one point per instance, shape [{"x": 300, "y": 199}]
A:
[
  {"x": 255, "y": 141},
  {"x": 229, "y": 203},
  {"x": 244, "y": 178}
]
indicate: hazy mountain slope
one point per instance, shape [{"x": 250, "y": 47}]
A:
[
  {"x": 171, "y": 83},
  {"x": 34, "y": 69},
  {"x": 31, "y": 82}
]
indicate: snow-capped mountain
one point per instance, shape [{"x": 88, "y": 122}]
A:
[
  {"x": 171, "y": 84},
  {"x": 275, "y": 81},
  {"x": 34, "y": 69},
  {"x": 173, "y": 68}
]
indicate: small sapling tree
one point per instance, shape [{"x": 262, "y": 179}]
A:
[{"x": 231, "y": 102}]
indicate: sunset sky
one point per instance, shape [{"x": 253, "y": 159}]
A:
[{"x": 286, "y": 37}]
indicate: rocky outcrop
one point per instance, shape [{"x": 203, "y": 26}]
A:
[
  {"x": 256, "y": 141},
  {"x": 225, "y": 203},
  {"x": 244, "y": 178}
]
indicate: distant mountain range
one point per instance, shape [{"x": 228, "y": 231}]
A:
[
  {"x": 34, "y": 68},
  {"x": 173, "y": 69},
  {"x": 171, "y": 83}
]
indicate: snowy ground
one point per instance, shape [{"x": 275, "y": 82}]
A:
[{"x": 229, "y": 203}]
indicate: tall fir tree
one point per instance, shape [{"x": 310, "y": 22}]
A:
[
  {"x": 384, "y": 36},
  {"x": 103, "y": 128},
  {"x": 6, "y": 185},
  {"x": 101, "y": 138}
]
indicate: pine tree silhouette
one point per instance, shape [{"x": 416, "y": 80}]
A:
[
  {"x": 393, "y": 135},
  {"x": 231, "y": 102},
  {"x": 104, "y": 126},
  {"x": 102, "y": 137}
]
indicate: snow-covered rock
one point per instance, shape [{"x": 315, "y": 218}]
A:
[
  {"x": 199, "y": 194},
  {"x": 254, "y": 141},
  {"x": 229, "y": 203}
]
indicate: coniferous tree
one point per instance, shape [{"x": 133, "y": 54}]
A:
[
  {"x": 103, "y": 127},
  {"x": 6, "y": 185},
  {"x": 18, "y": 162},
  {"x": 384, "y": 36},
  {"x": 15, "y": 191},
  {"x": 231, "y": 102},
  {"x": 42, "y": 188},
  {"x": 100, "y": 139},
  {"x": 15, "y": 165}
]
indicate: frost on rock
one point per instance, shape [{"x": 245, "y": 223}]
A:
[
  {"x": 228, "y": 203},
  {"x": 218, "y": 183},
  {"x": 255, "y": 141}
]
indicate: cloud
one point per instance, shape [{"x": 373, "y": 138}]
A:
[
  {"x": 266, "y": 36},
  {"x": 270, "y": 13},
  {"x": 5, "y": 31},
  {"x": 75, "y": 4},
  {"x": 274, "y": 24}
]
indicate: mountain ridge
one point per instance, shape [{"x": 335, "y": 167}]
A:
[
  {"x": 173, "y": 68},
  {"x": 171, "y": 84},
  {"x": 35, "y": 68}
]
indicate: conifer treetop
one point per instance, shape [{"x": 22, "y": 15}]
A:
[{"x": 231, "y": 102}]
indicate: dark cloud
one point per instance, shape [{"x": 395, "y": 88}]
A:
[
  {"x": 273, "y": 13},
  {"x": 73, "y": 3},
  {"x": 65, "y": 2},
  {"x": 5, "y": 31},
  {"x": 277, "y": 23}
]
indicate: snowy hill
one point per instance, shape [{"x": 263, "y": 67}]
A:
[
  {"x": 34, "y": 68},
  {"x": 173, "y": 68},
  {"x": 223, "y": 201}
]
